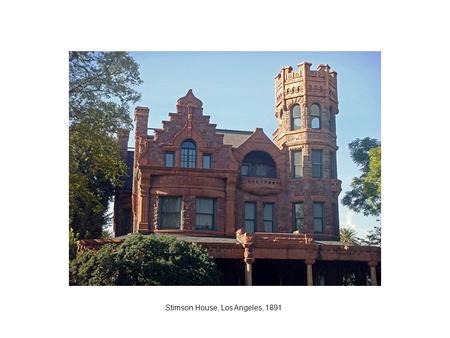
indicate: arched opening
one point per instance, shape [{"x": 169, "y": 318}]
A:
[
  {"x": 258, "y": 164},
  {"x": 188, "y": 154}
]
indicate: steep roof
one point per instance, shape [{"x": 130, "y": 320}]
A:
[{"x": 234, "y": 137}]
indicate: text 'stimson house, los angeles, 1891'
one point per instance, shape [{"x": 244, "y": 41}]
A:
[{"x": 266, "y": 210}]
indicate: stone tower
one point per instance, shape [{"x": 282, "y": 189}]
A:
[{"x": 305, "y": 107}]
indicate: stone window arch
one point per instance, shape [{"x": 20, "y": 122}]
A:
[
  {"x": 296, "y": 117},
  {"x": 188, "y": 154}
]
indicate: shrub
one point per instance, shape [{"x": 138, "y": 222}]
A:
[{"x": 145, "y": 260}]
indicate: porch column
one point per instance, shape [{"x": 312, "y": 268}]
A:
[
  {"x": 144, "y": 193},
  {"x": 309, "y": 271},
  {"x": 248, "y": 260},
  {"x": 373, "y": 272}
]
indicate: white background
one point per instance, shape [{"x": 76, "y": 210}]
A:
[{"x": 36, "y": 300}]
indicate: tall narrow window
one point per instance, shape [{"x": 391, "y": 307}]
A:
[
  {"x": 188, "y": 154},
  {"x": 317, "y": 163},
  {"x": 297, "y": 163},
  {"x": 250, "y": 217},
  {"x": 169, "y": 159},
  {"x": 170, "y": 212},
  {"x": 204, "y": 213},
  {"x": 335, "y": 216},
  {"x": 268, "y": 217},
  {"x": 318, "y": 216},
  {"x": 207, "y": 161},
  {"x": 315, "y": 119},
  {"x": 333, "y": 173},
  {"x": 296, "y": 117},
  {"x": 332, "y": 121},
  {"x": 298, "y": 217}
]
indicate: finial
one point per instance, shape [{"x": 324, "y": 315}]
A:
[{"x": 190, "y": 100}]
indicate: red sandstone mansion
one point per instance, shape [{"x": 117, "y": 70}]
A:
[{"x": 266, "y": 209}]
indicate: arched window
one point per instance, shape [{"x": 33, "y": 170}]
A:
[
  {"x": 315, "y": 116},
  {"x": 259, "y": 164},
  {"x": 296, "y": 117},
  {"x": 188, "y": 154}
]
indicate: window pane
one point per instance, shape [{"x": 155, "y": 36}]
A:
[
  {"x": 317, "y": 156},
  {"x": 250, "y": 211},
  {"x": 297, "y": 157},
  {"x": 188, "y": 154},
  {"x": 296, "y": 111},
  {"x": 206, "y": 161},
  {"x": 249, "y": 226},
  {"x": 268, "y": 212},
  {"x": 169, "y": 159},
  {"x": 205, "y": 205},
  {"x": 298, "y": 210},
  {"x": 170, "y": 204},
  {"x": 317, "y": 209},
  {"x": 297, "y": 123},
  {"x": 317, "y": 171},
  {"x": 204, "y": 222},
  {"x": 315, "y": 110},
  {"x": 318, "y": 225},
  {"x": 170, "y": 221},
  {"x": 315, "y": 123},
  {"x": 268, "y": 226}
]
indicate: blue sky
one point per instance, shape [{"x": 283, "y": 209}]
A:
[{"x": 237, "y": 90}]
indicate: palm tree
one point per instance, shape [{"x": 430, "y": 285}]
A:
[{"x": 348, "y": 236}]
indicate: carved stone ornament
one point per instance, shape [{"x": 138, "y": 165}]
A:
[{"x": 190, "y": 100}]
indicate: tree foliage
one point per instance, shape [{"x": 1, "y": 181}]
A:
[
  {"x": 348, "y": 236},
  {"x": 365, "y": 196},
  {"x": 145, "y": 260},
  {"x": 373, "y": 238},
  {"x": 100, "y": 91}
]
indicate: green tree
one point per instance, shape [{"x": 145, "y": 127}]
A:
[
  {"x": 145, "y": 260},
  {"x": 348, "y": 236},
  {"x": 373, "y": 237},
  {"x": 100, "y": 91},
  {"x": 365, "y": 196}
]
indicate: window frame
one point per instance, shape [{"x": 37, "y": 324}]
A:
[
  {"x": 162, "y": 213},
  {"x": 207, "y": 155},
  {"x": 322, "y": 206},
  {"x": 250, "y": 219},
  {"x": 172, "y": 153},
  {"x": 313, "y": 164},
  {"x": 301, "y": 228},
  {"x": 312, "y": 117},
  {"x": 186, "y": 157},
  {"x": 293, "y": 119},
  {"x": 213, "y": 214},
  {"x": 272, "y": 221},
  {"x": 294, "y": 166}
]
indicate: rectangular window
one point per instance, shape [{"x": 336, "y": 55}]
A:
[
  {"x": 268, "y": 217},
  {"x": 298, "y": 217},
  {"x": 333, "y": 172},
  {"x": 335, "y": 216},
  {"x": 170, "y": 212},
  {"x": 169, "y": 159},
  {"x": 332, "y": 123},
  {"x": 317, "y": 163},
  {"x": 297, "y": 163},
  {"x": 318, "y": 216},
  {"x": 204, "y": 213},
  {"x": 250, "y": 217},
  {"x": 207, "y": 161}
]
